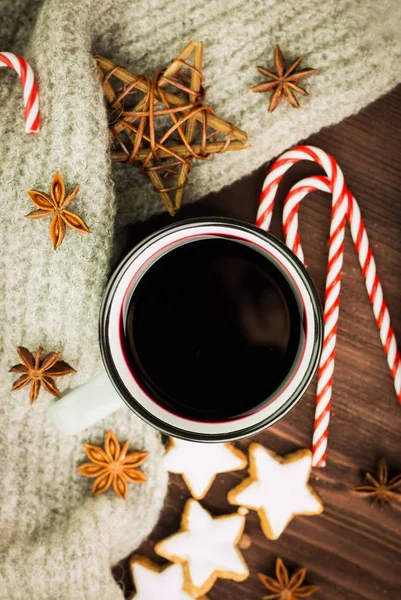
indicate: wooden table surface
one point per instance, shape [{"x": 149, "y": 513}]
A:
[{"x": 352, "y": 551}]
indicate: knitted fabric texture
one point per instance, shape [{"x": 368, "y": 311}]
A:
[{"x": 55, "y": 540}]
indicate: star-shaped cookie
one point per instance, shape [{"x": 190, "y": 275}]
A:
[
  {"x": 199, "y": 463},
  {"x": 206, "y": 547},
  {"x": 277, "y": 488},
  {"x": 153, "y": 582}
]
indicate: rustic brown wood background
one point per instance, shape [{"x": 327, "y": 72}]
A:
[{"x": 352, "y": 551}]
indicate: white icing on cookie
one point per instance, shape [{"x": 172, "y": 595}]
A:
[
  {"x": 206, "y": 546},
  {"x": 199, "y": 463},
  {"x": 277, "y": 488},
  {"x": 154, "y": 584}
]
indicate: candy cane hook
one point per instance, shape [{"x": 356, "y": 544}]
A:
[{"x": 29, "y": 88}]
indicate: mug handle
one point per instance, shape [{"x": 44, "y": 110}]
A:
[{"x": 85, "y": 405}]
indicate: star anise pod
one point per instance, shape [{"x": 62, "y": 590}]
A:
[
  {"x": 56, "y": 205},
  {"x": 285, "y": 81},
  {"x": 112, "y": 466},
  {"x": 380, "y": 490},
  {"x": 283, "y": 587},
  {"x": 37, "y": 371}
]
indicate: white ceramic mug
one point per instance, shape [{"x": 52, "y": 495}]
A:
[{"x": 118, "y": 386}]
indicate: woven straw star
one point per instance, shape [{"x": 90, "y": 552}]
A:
[{"x": 162, "y": 122}]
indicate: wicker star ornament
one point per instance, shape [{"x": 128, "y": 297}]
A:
[{"x": 162, "y": 122}]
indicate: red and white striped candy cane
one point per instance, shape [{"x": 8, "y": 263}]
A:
[
  {"x": 342, "y": 201},
  {"x": 29, "y": 87},
  {"x": 333, "y": 281},
  {"x": 375, "y": 292},
  {"x": 373, "y": 286}
]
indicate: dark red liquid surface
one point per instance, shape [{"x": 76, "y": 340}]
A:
[{"x": 212, "y": 330}]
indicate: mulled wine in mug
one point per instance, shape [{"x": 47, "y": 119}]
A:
[{"x": 210, "y": 330}]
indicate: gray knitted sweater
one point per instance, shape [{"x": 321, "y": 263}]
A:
[{"x": 55, "y": 540}]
